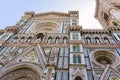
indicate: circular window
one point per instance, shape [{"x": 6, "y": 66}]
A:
[
  {"x": 103, "y": 58},
  {"x": 114, "y": 78}
]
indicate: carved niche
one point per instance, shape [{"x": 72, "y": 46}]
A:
[
  {"x": 53, "y": 56},
  {"x": 78, "y": 73}
]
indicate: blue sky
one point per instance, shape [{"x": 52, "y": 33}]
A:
[{"x": 12, "y": 10}]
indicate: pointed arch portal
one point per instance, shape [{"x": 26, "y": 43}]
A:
[
  {"x": 78, "y": 78},
  {"x": 23, "y": 71}
]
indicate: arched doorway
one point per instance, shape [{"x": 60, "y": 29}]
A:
[
  {"x": 78, "y": 78},
  {"x": 21, "y": 74},
  {"x": 21, "y": 71}
]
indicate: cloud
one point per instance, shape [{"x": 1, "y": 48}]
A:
[{"x": 14, "y": 10}]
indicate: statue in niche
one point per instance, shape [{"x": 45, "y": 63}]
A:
[
  {"x": 49, "y": 75},
  {"x": 53, "y": 56},
  {"x": 8, "y": 56}
]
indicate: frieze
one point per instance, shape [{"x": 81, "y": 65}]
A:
[{"x": 101, "y": 45}]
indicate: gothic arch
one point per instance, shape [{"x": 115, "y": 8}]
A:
[
  {"x": 65, "y": 37},
  {"x": 88, "y": 39},
  {"x": 49, "y": 39},
  {"x": 106, "y": 39},
  {"x": 16, "y": 37},
  {"x": 57, "y": 39},
  {"x": 40, "y": 36},
  {"x": 78, "y": 78},
  {"x": 21, "y": 70},
  {"x": 79, "y": 59},
  {"x": 97, "y": 39},
  {"x": 78, "y": 74},
  {"x": 74, "y": 59}
]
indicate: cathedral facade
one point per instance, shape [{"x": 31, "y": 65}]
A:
[{"x": 52, "y": 46}]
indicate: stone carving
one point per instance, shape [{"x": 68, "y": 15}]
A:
[
  {"x": 8, "y": 56},
  {"x": 53, "y": 56},
  {"x": 21, "y": 74},
  {"x": 29, "y": 57},
  {"x": 50, "y": 73},
  {"x": 103, "y": 58},
  {"x": 78, "y": 73}
]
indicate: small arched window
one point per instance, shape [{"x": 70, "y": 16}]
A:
[
  {"x": 78, "y": 78},
  {"x": 88, "y": 39},
  {"x": 65, "y": 40},
  {"x": 76, "y": 48},
  {"x": 16, "y": 37},
  {"x": 106, "y": 40},
  {"x": 22, "y": 39},
  {"x": 49, "y": 39},
  {"x": 75, "y": 36},
  {"x": 57, "y": 39},
  {"x": 74, "y": 59},
  {"x": 40, "y": 36},
  {"x": 29, "y": 39},
  {"x": 97, "y": 40},
  {"x": 79, "y": 59}
]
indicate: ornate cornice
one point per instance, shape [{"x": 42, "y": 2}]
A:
[
  {"x": 95, "y": 31},
  {"x": 101, "y": 45},
  {"x": 1, "y": 32},
  {"x": 24, "y": 40},
  {"x": 114, "y": 28},
  {"x": 60, "y": 14},
  {"x": 74, "y": 28},
  {"x": 12, "y": 29},
  {"x": 7, "y": 44},
  {"x": 52, "y": 13}
]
